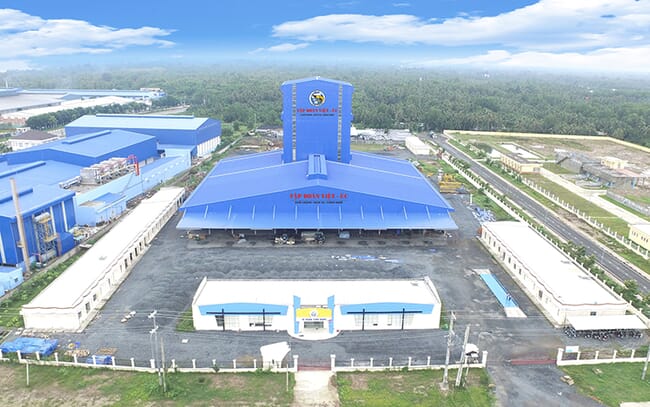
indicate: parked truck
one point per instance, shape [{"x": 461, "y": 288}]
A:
[{"x": 313, "y": 237}]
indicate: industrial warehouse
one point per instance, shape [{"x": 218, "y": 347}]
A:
[
  {"x": 71, "y": 300},
  {"x": 316, "y": 181},
  {"x": 86, "y": 179},
  {"x": 316, "y": 309},
  {"x": 565, "y": 293}
]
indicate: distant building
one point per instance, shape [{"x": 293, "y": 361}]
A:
[
  {"x": 30, "y": 138},
  {"x": 640, "y": 234},
  {"x": 202, "y": 134},
  {"x": 610, "y": 172},
  {"x": 519, "y": 164},
  {"x": 417, "y": 146},
  {"x": 17, "y": 105}
]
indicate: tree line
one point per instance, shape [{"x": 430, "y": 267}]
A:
[{"x": 417, "y": 99}]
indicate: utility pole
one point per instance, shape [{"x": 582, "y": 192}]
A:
[
  {"x": 164, "y": 368},
  {"x": 462, "y": 357},
  {"x": 450, "y": 335},
  {"x": 154, "y": 334}
]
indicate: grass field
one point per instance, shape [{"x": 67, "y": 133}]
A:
[
  {"x": 593, "y": 210},
  {"x": 51, "y": 385},
  {"x": 611, "y": 384},
  {"x": 413, "y": 388}
]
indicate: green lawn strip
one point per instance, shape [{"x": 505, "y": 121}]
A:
[
  {"x": 484, "y": 202},
  {"x": 131, "y": 388},
  {"x": 411, "y": 388},
  {"x": 618, "y": 382},
  {"x": 368, "y": 147},
  {"x": 10, "y": 307},
  {"x": 627, "y": 208},
  {"x": 606, "y": 218},
  {"x": 185, "y": 321},
  {"x": 556, "y": 169},
  {"x": 643, "y": 200}
]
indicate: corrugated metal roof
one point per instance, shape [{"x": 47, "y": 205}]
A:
[
  {"x": 41, "y": 172},
  {"x": 314, "y": 78},
  {"x": 32, "y": 199},
  {"x": 115, "y": 121},
  {"x": 92, "y": 144},
  {"x": 383, "y": 194}
]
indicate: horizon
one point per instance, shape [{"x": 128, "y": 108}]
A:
[{"x": 585, "y": 36}]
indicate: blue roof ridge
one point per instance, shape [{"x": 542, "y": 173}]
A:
[{"x": 256, "y": 169}]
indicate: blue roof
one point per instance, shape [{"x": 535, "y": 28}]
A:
[
  {"x": 33, "y": 199},
  {"x": 148, "y": 122},
  {"x": 257, "y": 192},
  {"x": 90, "y": 148},
  {"x": 314, "y": 78},
  {"x": 39, "y": 172}
]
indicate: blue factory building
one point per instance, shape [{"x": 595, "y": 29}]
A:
[
  {"x": 201, "y": 134},
  {"x": 316, "y": 181},
  {"x": 84, "y": 179}
]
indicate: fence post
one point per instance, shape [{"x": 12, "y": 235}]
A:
[
  {"x": 632, "y": 354},
  {"x": 132, "y": 363},
  {"x": 152, "y": 363},
  {"x": 596, "y": 356},
  {"x": 234, "y": 363},
  {"x": 409, "y": 365},
  {"x": 74, "y": 358},
  {"x": 560, "y": 354},
  {"x": 254, "y": 363},
  {"x": 390, "y": 362},
  {"x": 113, "y": 360},
  {"x": 38, "y": 355},
  {"x": 56, "y": 357},
  {"x": 578, "y": 356},
  {"x": 332, "y": 362},
  {"x": 173, "y": 363},
  {"x": 614, "y": 355},
  {"x": 94, "y": 361},
  {"x": 484, "y": 359},
  {"x": 295, "y": 363},
  {"x": 20, "y": 356},
  {"x": 351, "y": 362},
  {"x": 193, "y": 363},
  {"x": 428, "y": 361},
  {"x": 372, "y": 362}
]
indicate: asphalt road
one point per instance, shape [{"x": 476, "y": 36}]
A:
[{"x": 616, "y": 266}]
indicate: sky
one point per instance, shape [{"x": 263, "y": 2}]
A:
[{"x": 565, "y": 35}]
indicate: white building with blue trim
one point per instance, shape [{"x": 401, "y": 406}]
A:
[{"x": 316, "y": 309}]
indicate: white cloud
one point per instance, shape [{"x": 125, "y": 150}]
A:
[
  {"x": 627, "y": 59},
  {"x": 286, "y": 47},
  {"x": 549, "y": 25},
  {"x": 15, "y": 65},
  {"x": 23, "y": 35}
]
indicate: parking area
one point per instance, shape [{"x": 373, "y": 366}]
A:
[{"x": 168, "y": 275}]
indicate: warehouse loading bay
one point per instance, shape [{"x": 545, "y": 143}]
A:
[{"x": 168, "y": 275}]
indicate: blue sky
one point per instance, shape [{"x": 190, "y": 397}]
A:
[{"x": 600, "y": 35}]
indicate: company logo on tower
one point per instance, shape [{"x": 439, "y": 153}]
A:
[{"x": 316, "y": 98}]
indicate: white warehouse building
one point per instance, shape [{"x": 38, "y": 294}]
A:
[
  {"x": 316, "y": 309},
  {"x": 71, "y": 301},
  {"x": 417, "y": 146},
  {"x": 564, "y": 292}
]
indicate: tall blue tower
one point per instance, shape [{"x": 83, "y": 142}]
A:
[{"x": 317, "y": 114}]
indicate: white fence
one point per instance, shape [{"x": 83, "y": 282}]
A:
[
  {"x": 153, "y": 365},
  {"x": 349, "y": 365},
  {"x": 596, "y": 358},
  {"x": 372, "y": 365}
]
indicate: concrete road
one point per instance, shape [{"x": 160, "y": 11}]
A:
[{"x": 616, "y": 266}]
